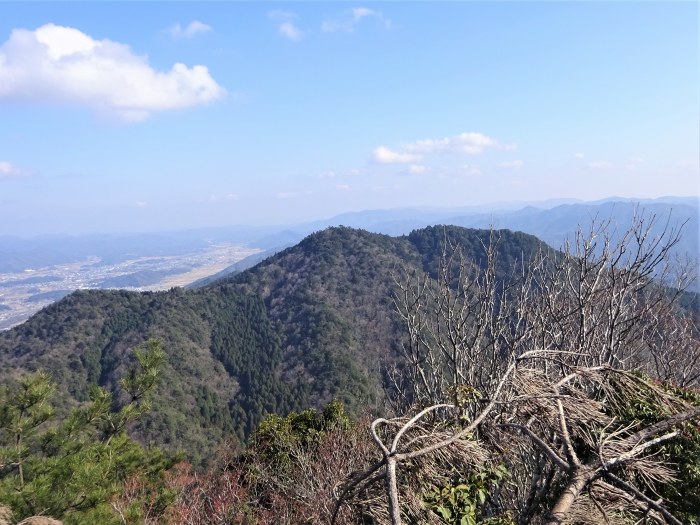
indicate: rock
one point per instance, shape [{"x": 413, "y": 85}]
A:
[
  {"x": 5, "y": 515},
  {"x": 40, "y": 520}
]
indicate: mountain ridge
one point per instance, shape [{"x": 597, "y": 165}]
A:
[
  {"x": 193, "y": 258},
  {"x": 314, "y": 322}
]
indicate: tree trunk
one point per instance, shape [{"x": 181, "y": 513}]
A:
[
  {"x": 392, "y": 491},
  {"x": 582, "y": 476}
]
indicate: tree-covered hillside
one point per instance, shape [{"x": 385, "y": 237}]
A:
[
  {"x": 498, "y": 381},
  {"x": 313, "y": 323}
]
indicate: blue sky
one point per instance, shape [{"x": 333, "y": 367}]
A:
[{"x": 126, "y": 116}]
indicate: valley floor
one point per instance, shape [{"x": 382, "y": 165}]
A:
[{"x": 24, "y": 293}]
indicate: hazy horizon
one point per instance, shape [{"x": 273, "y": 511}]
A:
[
  {"x": 391, "y": 214},
  {"x": 133, "y": 116}
]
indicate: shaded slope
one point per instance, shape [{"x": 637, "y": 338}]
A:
[{"x": 86, "y": 338}]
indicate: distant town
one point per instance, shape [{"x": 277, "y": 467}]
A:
[{"x": 24, "y": 293}]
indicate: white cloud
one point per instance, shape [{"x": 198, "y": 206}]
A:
[
  {"x": 343, "y": 187},
  {"x": 63, "y": 65},
  {"x": 512, "y": 164},
  {"x": 384, "y": 155},
  {"x": 471, "y": 143},
  {"x": 329, "y": 174},
  {"x": 291, "y": 32},
  {"x": 140, "y": 204},
  {"x": 417, "y": 169},
  {"x": 358, "y": 13},
  {"x": 287, "y": 28},
  {"x": 601, "y": 165},
  {"x": 286, "y": 194},
  {"x": 8, "y": 171},
  {"x": 192, "y": 30},
  {"x": 349, "y": 19},
  {"x": 579, "y": 155}
]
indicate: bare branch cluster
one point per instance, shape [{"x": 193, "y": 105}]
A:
[{"x": 547, "y": 370}]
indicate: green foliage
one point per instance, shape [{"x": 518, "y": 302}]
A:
[
  {"x": 70, "y": 469},
  {"x": 463, "y": 502},
  {"x": 643, "y": 408},
  {"x": 289, "y": 473},
  {"x": 684, "y": 451},
  {"x": 311, "y": 324},
  {"x": 244, "y": 341},
  {"x": 22, "y": 411},
  {"x": 512, "y": 247},
  {"x": 277, "y": 437}
]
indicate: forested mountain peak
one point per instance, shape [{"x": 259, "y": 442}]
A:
[{"x": 312, "y": 323}]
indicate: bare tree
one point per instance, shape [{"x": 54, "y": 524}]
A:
[
  {"x": 463, "y": 327},
  {"x": 602, "y": 295},
  {"x": 538, "y": 371}
]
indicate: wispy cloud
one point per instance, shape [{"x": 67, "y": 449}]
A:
[
  {"x": 633, "y": 163},
  {"x": 470, "y": 143},
  {"x": 8, "y": 171},
  {"x": 287, "y": 26},
  {"x": 512, "y": 164},
  {"x": 384, "y": 155},
  {"x": 417, "y": 169},
  {"x": 328, "y": 174},
  {"x": 193, "y": 29},
  {"x": 343, "y": 187},
  {"x": 281, "y": 15},
  {"x": 140, "y": 204},
  {"x": 470, "y": 170},
  {"x": 285, "y": 194},
  {"x": 291, "y": 32},
  {"x": 579, "y": 156},
  {"x": 56, "y": 64},
  {"x": 349, "y": 19},
  {"x": 601, "y": 165}
]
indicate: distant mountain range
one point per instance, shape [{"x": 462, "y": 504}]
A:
[{"x": 552, "y": 221}]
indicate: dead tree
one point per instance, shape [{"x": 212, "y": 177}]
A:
[{"x": 536, "y": 370}]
